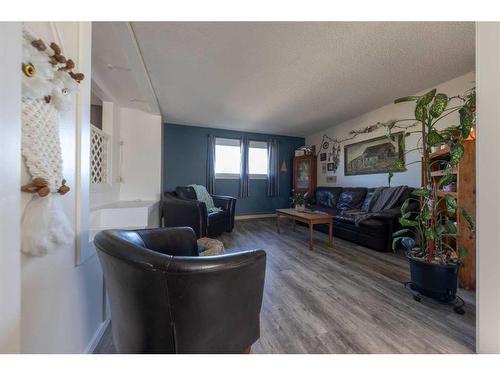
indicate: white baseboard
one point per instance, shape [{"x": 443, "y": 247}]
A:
[
  {"x": 250, "y": 217},
  {"x": 97, "y": 337}
]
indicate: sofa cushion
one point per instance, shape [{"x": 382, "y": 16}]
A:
[
  {"x": 327, "y": 196},
  {"x": 351, "y": 198},
  {"x": 368, "y": 198},
  {"x": 185, "y": 192}
]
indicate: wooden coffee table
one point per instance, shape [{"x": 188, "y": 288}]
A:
[{"x": 310, "y": 218}]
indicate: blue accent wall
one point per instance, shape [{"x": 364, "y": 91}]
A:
[{"x": 185, "y": 160}]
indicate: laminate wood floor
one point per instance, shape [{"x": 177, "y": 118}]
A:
[{"x": 350, "y": 300}]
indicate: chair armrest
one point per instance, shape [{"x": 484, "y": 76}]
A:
[
  {"x": 178, "y": 212},
  {"x": 178, "y": 241},
  {"x": 227, "y": 203},
  {"x": 223, "y": 201},
  {"x": 217, "y": 300}
]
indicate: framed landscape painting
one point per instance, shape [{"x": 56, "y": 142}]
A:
[{"x": 377, "y": 155}]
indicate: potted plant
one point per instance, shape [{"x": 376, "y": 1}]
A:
[
  {"x": 299, "y": 201},
  {"x": 428, "y": 227}
]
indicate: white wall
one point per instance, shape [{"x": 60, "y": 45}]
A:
[
  {"x": 389, "y": 112},
  {"x": 10, "y": 195},
  {"x": 488, "y": 180},
  {"x": 141, "y": 134},
  {"x": 61, "y": 303}
]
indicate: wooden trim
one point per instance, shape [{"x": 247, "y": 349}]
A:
[{"x": 251, "y": 217}]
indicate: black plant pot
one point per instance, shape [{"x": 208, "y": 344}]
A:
[{"x": 433, "y": 280}]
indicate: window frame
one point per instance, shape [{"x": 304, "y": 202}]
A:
[
  {"x": 227, "y": 176},
  {"x": 258, "y": 176}
]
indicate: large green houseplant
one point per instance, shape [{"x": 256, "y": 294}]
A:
[{"x": 426, "y": 216}]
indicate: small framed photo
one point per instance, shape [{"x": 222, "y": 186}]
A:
[
  {"x": 331, "y": 167},
  {"x": 331, "y": 179},
  {"x": 322, "y": 156},
  {"x": 323, "y": 168}
]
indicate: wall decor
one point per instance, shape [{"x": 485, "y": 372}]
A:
[
  {"x": 331, "y": 179},
  {"x": 323, "y": 168},
  {"x": 336, "y": 142},
  {"x": 48, "y": 85},
  {"x": 330, "y": 167},
  {"x": 322, "y": 156},
  {"x": 376, "y": 155},
  {"x": 284, "y": 168}
]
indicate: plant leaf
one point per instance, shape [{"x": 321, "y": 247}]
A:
[
  {"x": 421, "y": 192},
  {"x": 462, "y": 251},
  {"x": 427, "y": 98},
  {"x": 407, "y": 242},
  {"x": 407, "y": 99},
  {"x": 404, "y": 206},
  {"x": 450, "y": 227},
  {"x": 466, "y": 119},
  {"x": 434, "y": 138},
  {"x": 457, "y": 152},
  {"x": 451, "y": 204},
  {"x": 468, "y": 217},
  {"x": 439, "y": 105},
  {"x": 447, "y": 179},
  {"x": 430, "y": 234},
  {"x": 419, "y": 112},
  {"x": 399, "y": 164},
  {"x": 408, "y": 223},
  {"x": 401, "y": 232}
]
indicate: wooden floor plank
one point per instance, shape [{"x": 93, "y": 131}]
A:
[{"x": 351, "y": 300}]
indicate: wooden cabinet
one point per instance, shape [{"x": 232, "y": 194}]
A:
[
  {"x": 466, "y": 198},
  {"x": 304, "y": 174}
]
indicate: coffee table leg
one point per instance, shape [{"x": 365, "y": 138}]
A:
[
  {"x": 278, "y": 223},
  {"x": 310, "y": 236},
  {"x": 330, "y": 234}
]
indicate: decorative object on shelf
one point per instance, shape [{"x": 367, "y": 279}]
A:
[
  {"x": 299, "y": 152},
  {"x": 430, "y": 237},
  {"x": 305, "y": 150},
  {"x": 48, "y": 87},
  {"x": 376, "y": 155},
  {"x": 299, "y": 202},
  {"x": 304, "y": 174},
  {"x": 284, "y": 168}
]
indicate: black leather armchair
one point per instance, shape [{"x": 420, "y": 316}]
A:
[
  {"x": 166, "y": 299},
  {"x": 180, "y": 208}
]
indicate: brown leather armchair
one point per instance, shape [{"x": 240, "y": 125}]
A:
[{"x": 166, "y": 299}]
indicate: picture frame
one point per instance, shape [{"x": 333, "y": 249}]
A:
[
  {"x": 375, "y": 155},
  {"x": 330, "y": 167},
  {"x": 322, "y": 156},
  {"x": 323, "y": 168}
]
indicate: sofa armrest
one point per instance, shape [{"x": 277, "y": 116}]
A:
[
  {"x": 228, "y": 204},
  {"x": 178, "y": 212}
]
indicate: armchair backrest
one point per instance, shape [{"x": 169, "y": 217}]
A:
[{"x": 162, "y": 303}]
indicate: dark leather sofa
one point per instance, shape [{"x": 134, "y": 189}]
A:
[
  {"x": 180, "y": 208},
  {"x": 375, "y": 233},
  {"x": 166, "y": 299}
]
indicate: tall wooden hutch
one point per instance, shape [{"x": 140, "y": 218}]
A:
[
  {"x": 304, "y": 174},
  {"x": 466, "y": 197}
]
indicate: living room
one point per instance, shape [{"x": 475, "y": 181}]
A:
[{"x": 269, "y": 188}]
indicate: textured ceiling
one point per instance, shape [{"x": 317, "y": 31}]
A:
[{"x": 295, "y": 78}]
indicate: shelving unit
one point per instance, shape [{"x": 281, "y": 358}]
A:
[{"x": 466, "y": 198}]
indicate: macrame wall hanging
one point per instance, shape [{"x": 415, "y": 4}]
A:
[{"x": 48, "y": 87}]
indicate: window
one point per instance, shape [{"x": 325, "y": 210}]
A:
[
  {"x": 257, "y": 160},
  {"x": 227, "y": 158}
]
